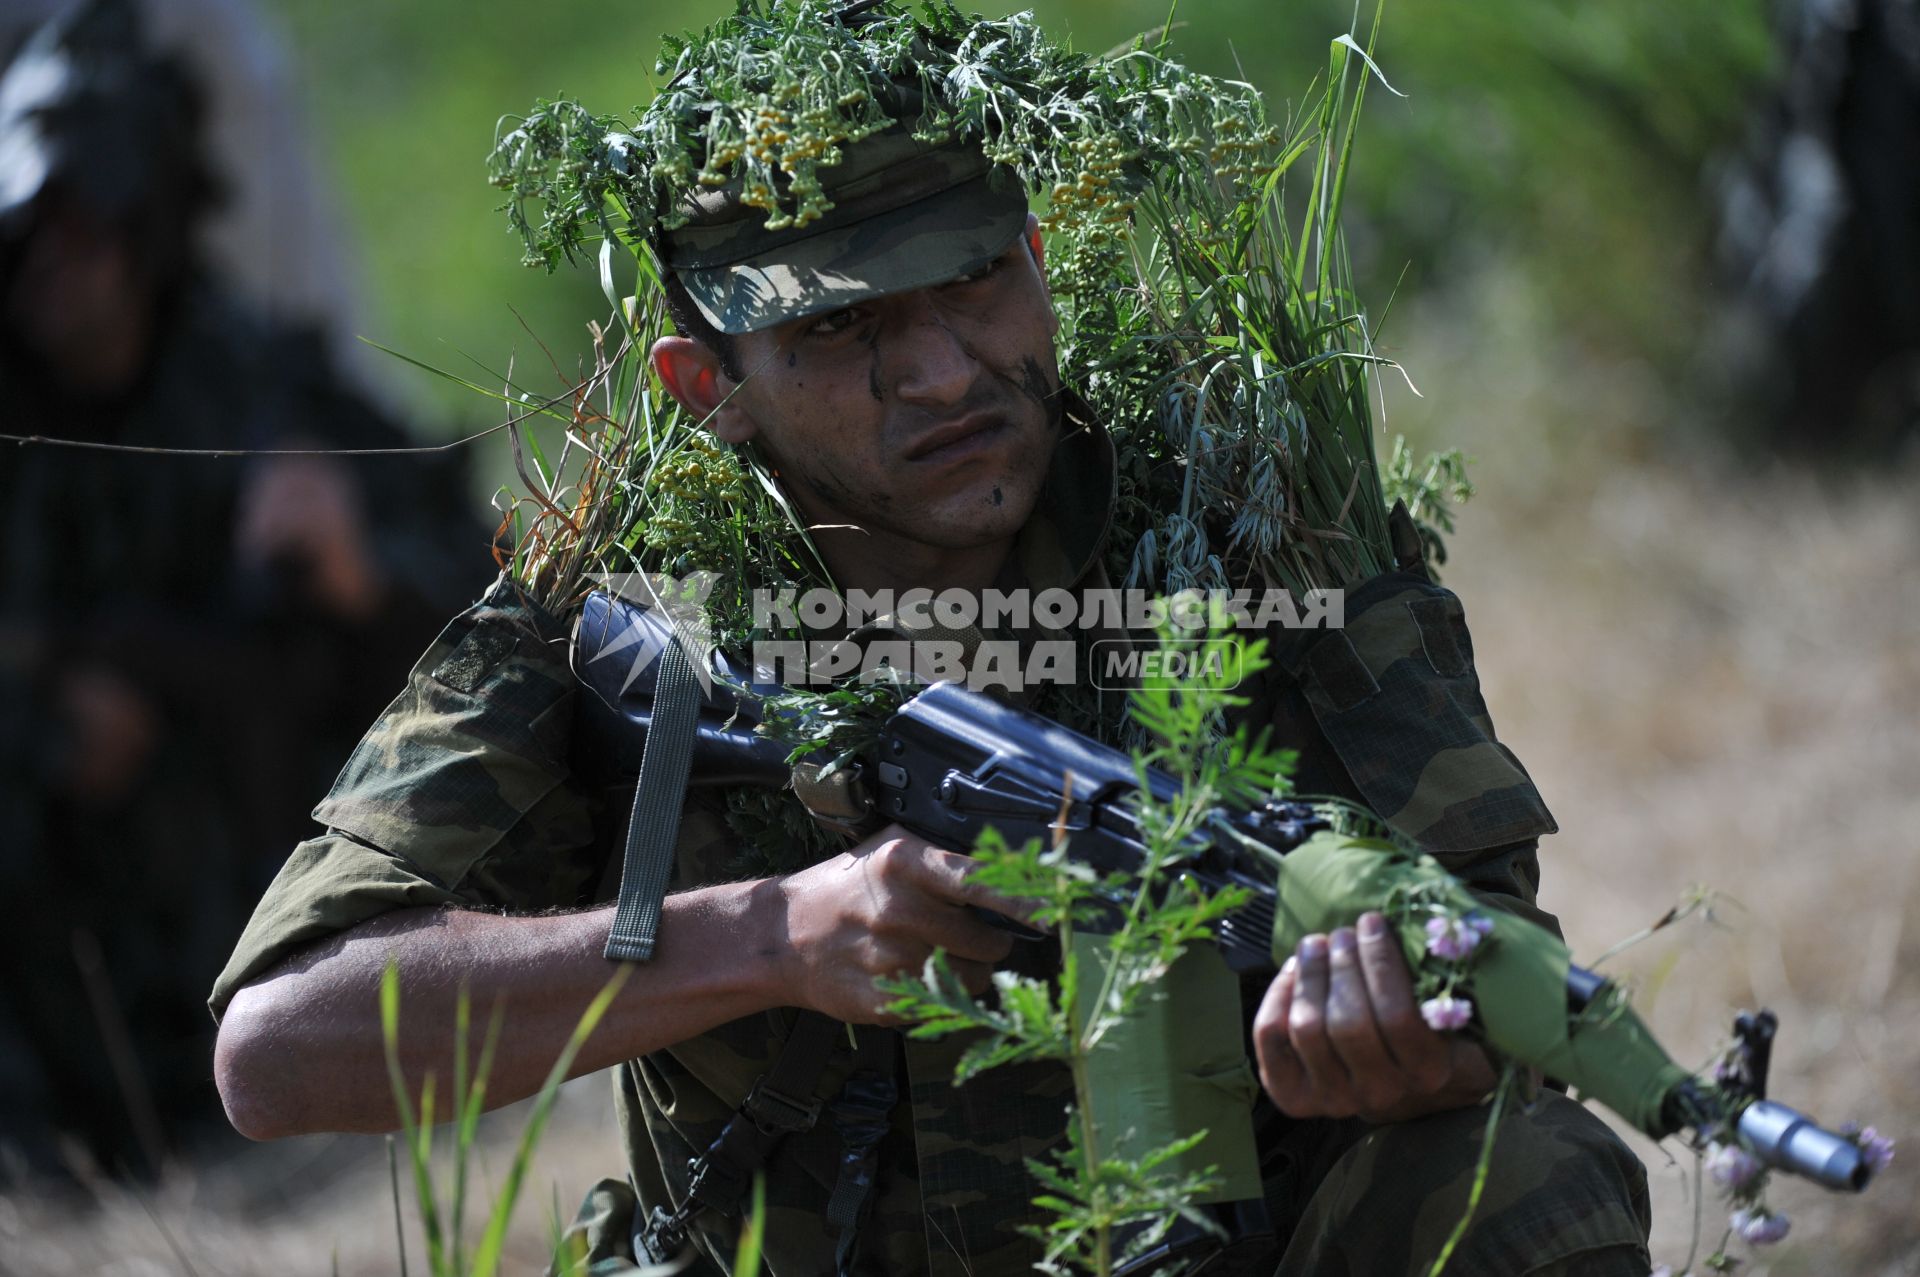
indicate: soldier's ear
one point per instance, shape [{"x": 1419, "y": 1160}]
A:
[
  {"x": 1038, "y": 248},
  {"x": 690, "y": 371}
]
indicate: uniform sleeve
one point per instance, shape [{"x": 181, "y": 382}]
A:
[
  {"x": 1390, "y": 708},
  {"x": 461, "y": 793}
]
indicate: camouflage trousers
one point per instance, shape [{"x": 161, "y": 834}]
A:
[{"x": 1564, "y": 1196}]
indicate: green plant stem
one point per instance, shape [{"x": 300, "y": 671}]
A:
[
  {"x": 1078, "y": 1048},
  {"x": 399, "y": 1223},
  {"x": 1509, "y": 1078}
]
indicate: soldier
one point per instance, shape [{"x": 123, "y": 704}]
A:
[
  {"x": 895, "y": 362},
  {"x": 186, "y": 644}
]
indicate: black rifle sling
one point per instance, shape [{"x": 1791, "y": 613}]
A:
[
  {"x": 861, "y": 1115},
  {"x": 780, "y": 1104},
  {"x": 666, "y": 761}
]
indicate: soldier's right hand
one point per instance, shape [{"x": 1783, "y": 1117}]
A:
[{"x": 879, "y": 910}]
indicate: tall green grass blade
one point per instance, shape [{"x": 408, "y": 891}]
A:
[
  {"x": 546, "y": 407},
  {"x": 416, "y": 1128},
  {"x": 470, "y": 1101},
  {"x": 486, "y": 1257},
  {"x": 746, "y": 1260},
  {"x": 463, "y": 1132},
  {"x": 399, "y": 1220}
]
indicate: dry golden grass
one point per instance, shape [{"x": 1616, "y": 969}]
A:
[
  {"x": 304, "y": 1206},
  {"x": 1722, "y": 686}
]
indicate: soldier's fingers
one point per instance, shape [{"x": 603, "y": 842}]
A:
[
  {"x": 949, "y": 875},
  {"x": 1350, "y": 1023},
  {"x": 1307, "y": 1030},
  {"x": 961, "y": 933},
  {"x": 907, "y": 857},
  {"x": 1280, "y": 1070},
  {"x": 936, "y": 922},
  {"x": 975, "y": 976},
  {"x": 1422, "y": 1054},
  {"x": 1470, "y": 1070},
  {"x": 909, "y": 888}
]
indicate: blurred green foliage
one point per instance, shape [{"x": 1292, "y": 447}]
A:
[{"x": 1566, "y": 141}]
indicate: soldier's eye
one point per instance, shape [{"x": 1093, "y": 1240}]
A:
[
  {"x": 837, "y": 321},
  {"x": 975, "y": 276}
]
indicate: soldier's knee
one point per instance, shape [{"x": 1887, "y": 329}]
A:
[
  {"x": 1562, "y": 1195},
  {"x": 1565, "y": 1197}
]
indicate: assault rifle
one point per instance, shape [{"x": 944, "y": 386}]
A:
[{"x": 951, "y": 763}]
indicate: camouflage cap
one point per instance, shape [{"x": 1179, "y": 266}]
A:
[{"x": 906, "y": 214}]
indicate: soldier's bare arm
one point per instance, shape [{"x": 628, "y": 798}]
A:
[{"x": 300, "y": 1049}]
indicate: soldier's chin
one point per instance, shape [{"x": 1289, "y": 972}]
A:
[{"x": 985, "y": 511}]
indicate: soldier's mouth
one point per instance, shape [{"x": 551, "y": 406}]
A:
[{"x": 958, "y": 441}]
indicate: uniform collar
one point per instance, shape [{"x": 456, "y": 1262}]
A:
[{"x": 1061, "y": 542}]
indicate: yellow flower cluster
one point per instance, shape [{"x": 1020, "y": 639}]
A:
[
  {"x": 1093, "y": 209},
  {"x": 700, "y": 482},
  {"x": 701, "y": 471},
  {"x": 783, "y": 134},
  {"x": 1237, "y": 150}
]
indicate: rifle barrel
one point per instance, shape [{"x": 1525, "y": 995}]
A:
[{"x": 1786, "y": 1138}]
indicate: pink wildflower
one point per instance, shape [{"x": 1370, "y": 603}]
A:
[
  {"x": 1452, "y": 939},
  {"x": 1732, "y": 1166},
  {"x": 1446, "y": 1012},
  {"x": 1875, "y": 1149},
  {"x": 1759, "y": 1226}
]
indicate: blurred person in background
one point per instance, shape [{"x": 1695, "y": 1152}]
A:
[
  {"x": 275, "y": 237},
  {"x": 1820, "y": 232},
  {"x": 189, "y": 646}
]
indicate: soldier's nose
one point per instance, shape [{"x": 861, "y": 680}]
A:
[{"x": 928, "y": 364}]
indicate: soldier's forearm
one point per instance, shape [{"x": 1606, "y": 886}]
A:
[{"x": 300, "y": 1049}]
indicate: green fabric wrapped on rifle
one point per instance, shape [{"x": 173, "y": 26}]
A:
[{"x": 1517, "y": 977}]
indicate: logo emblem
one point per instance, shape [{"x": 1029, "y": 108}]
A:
[{"x": 669, "y": 609}]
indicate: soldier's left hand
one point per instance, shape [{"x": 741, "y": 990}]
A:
[{"x": 1339, "y": 1034}]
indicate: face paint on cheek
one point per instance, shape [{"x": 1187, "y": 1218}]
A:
[
  {"x": 1037, "y": 386},
  {"x": 997, "y": 497},
  {"x": 872, "y": 339},
  {"x": 835, "y": 493}
]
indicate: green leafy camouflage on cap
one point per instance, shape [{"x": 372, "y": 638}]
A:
[{"x": 778, "y": 96}]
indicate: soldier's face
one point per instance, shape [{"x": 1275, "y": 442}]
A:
[
  {"x": 928, "y": 416},
  {"x": 80, "y": 299}
]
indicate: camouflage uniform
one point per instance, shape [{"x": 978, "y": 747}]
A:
[{"x": 464, "y": 794}]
